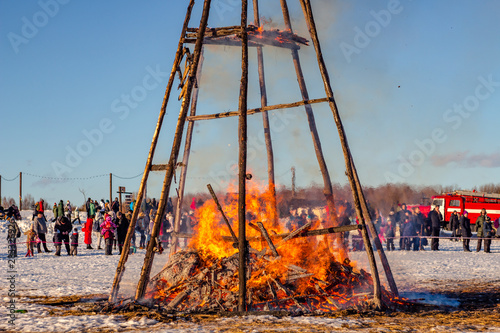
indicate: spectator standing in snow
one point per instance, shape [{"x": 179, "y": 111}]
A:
[
  {"x": 418, "y": 221},
  {"x": 121, "y": 230},
  {"x": 115, "y": 206},
  {"x": 62, "y": 228},
  {"x": 13, "y": 232},
  {"x": 69, "y": 209},
  {"x": 54, "y": 210},
  {"x": 465, "y": 231},
  {"x": 487, "y": 234},
  {"x": 480, "y": 228},
  {"x": 39, "y": 226},
  {"x": 107, "y": 231},
  {"x": 87, "y": 228},
  {"x": 390, "y": 233},
  {"x": 60, "y": 209},
  {"x": 435, "y": 218},
  {"x": 96, "y": 228},
  {"x": 409, "y": 233},
  {"x": 40, "y": 207},
  {"x": 141, "y": 228},
  {"x": 454, "y": 225},
  {"x": 74, "y": 242},
  {"x": 87, "y": 206},
  {"x": 76, "y": 216}
]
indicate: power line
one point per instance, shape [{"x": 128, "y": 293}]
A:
[
  {"x": 64, "y": 178},
  {"x": 10, "y": 180}
]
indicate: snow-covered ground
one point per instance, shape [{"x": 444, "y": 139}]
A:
[{"x": 417, "y": 274}]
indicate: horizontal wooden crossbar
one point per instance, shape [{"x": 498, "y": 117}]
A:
[
  {"x": 317, "y": 232},
  {"x": 257, "y": 110}
]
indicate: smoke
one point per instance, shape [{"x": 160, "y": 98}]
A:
[{"x": 467, "y": 160}]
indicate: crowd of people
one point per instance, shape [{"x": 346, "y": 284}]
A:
[{"x": 105, "y": 226}]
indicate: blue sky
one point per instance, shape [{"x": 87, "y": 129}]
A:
[{"x": 81, "y": 85}]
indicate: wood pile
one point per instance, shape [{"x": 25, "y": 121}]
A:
[{"x": 192, "y": 283}]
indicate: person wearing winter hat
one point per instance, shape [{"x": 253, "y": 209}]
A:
[
  {"x": 107, "y": 231},
  {"x": 74, "y": 242},
  {"x": 465, "y": 230}
]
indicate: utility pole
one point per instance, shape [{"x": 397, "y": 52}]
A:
[
  {"x": 293, "y": 182},
  {"x": 20, "y": 191},
  {"x": 110, "y": 189}
]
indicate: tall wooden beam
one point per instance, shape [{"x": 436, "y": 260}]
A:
[
  {"x": 242, "y": 161},
  {"x": 306, "y": 7},
  {"x": 373, "y": 231},
  {"x": 148, "y": 260},
  {"x": 185, "y": 159},
  {"x": 265, "y": 120},
  {"x": 327, "y": 184},
  {"x": 120, "y": 269}
]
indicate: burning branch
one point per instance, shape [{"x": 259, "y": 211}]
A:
[{"x": 257, "y": 36}]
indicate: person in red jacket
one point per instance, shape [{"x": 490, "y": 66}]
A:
[{"x": 87, "y": 228}]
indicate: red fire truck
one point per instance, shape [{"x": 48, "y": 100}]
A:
[{"x": 470, "y": 201}]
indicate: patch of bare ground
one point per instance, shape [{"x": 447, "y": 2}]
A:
[{"x": 478, "y": 311}]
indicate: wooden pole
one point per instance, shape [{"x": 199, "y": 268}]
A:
[
  {"x": 306, "y": 7},
  {"x": 265, "y": 120},
  {"x": 148, "y": 260},
  {"x": 242, "y": 163},
  {"x": 268, "y": 239},
  {"x": 257, "y": 110},
  {"x": 110, "y": 189},
  {"x": 120, "y": 269},
  {"x": 185, "y": 158},
  {"x": 212, "y": 193},
  {"x": 120, "y": 199},
  {"x": 327, "y": 188},
  {"x": 373, "y": 231},
  {"x": 20, "y": 191}
]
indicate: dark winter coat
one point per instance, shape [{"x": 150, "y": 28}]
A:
[
  {"x": 401, "y": 215},
  {"x": 389, "y": 231},
  {"x": 62, "y": 228},
  {"x": 435, "y": 219},
  {"x": 115, "y": 206},
  {"x": 454, "y": 224},
  {"x": 409, "y": 229},
  {"x": 418, "y": 222},
  {"x": 74, "y": 239},
  {"x": 122, "y": 229},
  {"x": 488, "y": 229},
  {"x": 465, "y": 230}
]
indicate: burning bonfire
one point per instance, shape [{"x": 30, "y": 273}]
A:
[{"x": 307, "y": 274}]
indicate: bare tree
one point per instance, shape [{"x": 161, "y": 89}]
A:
[
  {"x": 82, "y": 191},
  {"x": 28, "y": 201}
]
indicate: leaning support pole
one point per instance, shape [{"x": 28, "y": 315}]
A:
[
  {"x": 212, "y": 193},
  {"x": 265, "y": 120},
  {"x": 306, "y": 7},
  {"x": 120, "y": 269},
  {"x": 327, "y": 189},
  {"x": 242, "y": 162},
  {"x": 373, "y": 231},
  {"x": 148, "y": 260},
  {"x": 185, "y": 159}
]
